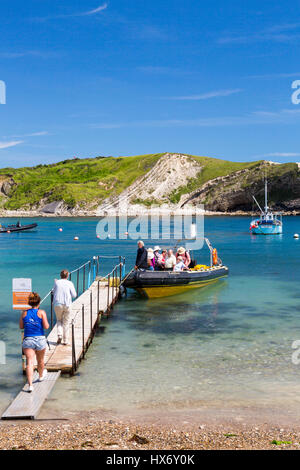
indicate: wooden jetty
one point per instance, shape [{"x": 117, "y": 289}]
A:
[
  {"x": 27, "y": 405},
  {"x": 87, "y": 311}
]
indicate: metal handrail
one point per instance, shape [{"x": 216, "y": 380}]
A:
[
  {"x": 114, "y": 275},
  {"x": 71, "y": 272},
  {"x": 92, "y": 274},
  {"x": 95, "y": 259}
]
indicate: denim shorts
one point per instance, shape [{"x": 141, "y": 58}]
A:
[{"x": 34, "y": 342}]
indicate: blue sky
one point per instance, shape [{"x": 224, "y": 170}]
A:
[{"x": 88, "y": 78}]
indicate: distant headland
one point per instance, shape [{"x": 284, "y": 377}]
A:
[{"x": 166, "y": 183}]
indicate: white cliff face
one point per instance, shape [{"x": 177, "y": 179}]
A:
[{"x": 168, "y": 174}]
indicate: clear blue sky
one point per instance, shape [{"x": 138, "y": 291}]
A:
[{"x": 88, "y": 78}]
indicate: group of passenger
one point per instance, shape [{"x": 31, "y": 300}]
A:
[{"x": 158, "y": 259}]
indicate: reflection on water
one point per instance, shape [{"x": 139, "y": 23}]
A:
[{"x": 229, "y": 343}]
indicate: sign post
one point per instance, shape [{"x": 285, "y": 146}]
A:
[{"x": 21, "y": 289}]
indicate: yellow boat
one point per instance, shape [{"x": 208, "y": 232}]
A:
[
  {"x": 164, "y": 283},
  {"x": 154, "y": 284}
]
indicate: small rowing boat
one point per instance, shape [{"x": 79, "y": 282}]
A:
[
  {"x": 155, "y": 284},
  {"x": 16, "y": 228}
]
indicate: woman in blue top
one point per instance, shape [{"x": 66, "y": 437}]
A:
[{"x": 33, "y": 321}]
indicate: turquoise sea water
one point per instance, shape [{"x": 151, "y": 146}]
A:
[{"x": 228, "y": 344}]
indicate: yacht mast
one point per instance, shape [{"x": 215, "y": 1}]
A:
[{"x": 266, "y": 196}]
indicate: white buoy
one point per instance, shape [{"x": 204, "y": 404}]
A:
[
  {"x": 60, "y": 229},
  {"x": 296, "y": 235},
  {"x": 76, "y": 238}
]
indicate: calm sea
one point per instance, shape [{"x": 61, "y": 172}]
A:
[{"x": 228, "y": 344}]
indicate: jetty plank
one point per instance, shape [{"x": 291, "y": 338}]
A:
[{"x": 27, "y": 405}]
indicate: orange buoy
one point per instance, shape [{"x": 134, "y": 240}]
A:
[
  {"x": 60, "y": 229},
  {"x": 76, "y": 238}
]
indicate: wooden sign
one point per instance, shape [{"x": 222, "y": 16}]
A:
[{"x": 21, "y": 289}]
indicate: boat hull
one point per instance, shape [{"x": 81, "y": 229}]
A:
[
  {"x": 156, "y": 284},
  {"x": 14, "y": 228},
  {"x": 267, "y": 230}
]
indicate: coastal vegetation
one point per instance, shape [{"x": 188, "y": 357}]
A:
[
  {"x": 76, "y": 181},
  {"x": 211, "y": 168},
  {"x": 176, "y": 179}
]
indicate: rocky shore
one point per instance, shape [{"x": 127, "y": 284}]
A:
[{"x": 132, "y": 213}]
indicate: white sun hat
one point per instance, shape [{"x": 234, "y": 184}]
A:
[{"x": 157, "y": 248}]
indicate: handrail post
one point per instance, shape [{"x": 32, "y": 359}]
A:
[
  {"x": 115, "y": 282},
  {"x": 51, "y": 320},
  {"x": 94, "y": 268},
  {"x": 113, "y": 289},
  {"x": 120, "y": 263},
  {"x": 108, "y": 287},
  {"x": 98, "y": 293},
  {"x": 124, "y": 266},
  {"x": 91, "y": 310},
  {"x": 73, "y": 350},
  {"x": 77, "y": 282},
  {"x": 83, "y": 278},
  {"x": 89, "y": 275},
  {"x": 82, "y": 321},
  {"x": 97, "y": 265}
]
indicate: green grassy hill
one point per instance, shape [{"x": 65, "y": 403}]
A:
[
  {"x": 77, "y": 181},
  {"x": 212, "y": 168},
  {"x": 85, "y": 183}
]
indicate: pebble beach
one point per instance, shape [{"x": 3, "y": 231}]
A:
[
  {"x": 121, "y": 436},
  {"x": 211, "y": 429}
]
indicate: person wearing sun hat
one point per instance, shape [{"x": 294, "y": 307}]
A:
[
  {"x": 185, "y": 255},
  {"x": 158, "y": 258},
  {"x": 150, "y": 259}
]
